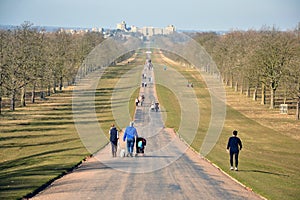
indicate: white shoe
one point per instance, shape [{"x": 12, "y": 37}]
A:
[
  {"x": 231, "y": 168},
  {"x": 236, "y": 169}
]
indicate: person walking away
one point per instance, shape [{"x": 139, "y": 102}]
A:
[
  {"x": 114, "y": 136},
  {"x": 234, "y": 145},
  {"x": 152, "y": 107},
  {"x": 137, "y": 101},
  {"x": 140, "y": 100},
  {"x": 156, "y": 106},
  {"x": 130, "y": 134},
  {"x": 143, "y": 99}
]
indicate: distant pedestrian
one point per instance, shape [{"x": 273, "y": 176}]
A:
[
  {"x": 152, "y": 107},
  {"x": 141, "y": 99},
  {"x": 130, "y": 134},
  {"x": 234, "y": 145},
  {"x": 156, "y": 107},
  {"x": 114, "y": 137},
  {"x": 137, "y": 101}
]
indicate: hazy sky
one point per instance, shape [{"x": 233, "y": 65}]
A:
[{"x": 184, "y": 14}]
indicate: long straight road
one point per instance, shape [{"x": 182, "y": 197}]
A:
[{"x": 169, "y": 169}]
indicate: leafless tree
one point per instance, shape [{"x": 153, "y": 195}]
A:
[{"x": 273, "y": 57}]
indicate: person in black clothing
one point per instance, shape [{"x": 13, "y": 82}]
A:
[
  {"x": 114, "y": 136},
  {"x": 234, "y": 145}
]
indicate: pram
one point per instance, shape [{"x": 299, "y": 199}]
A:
[{"x": 140, "y": 145}]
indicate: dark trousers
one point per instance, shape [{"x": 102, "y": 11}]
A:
[
  {"x": 114, "y": 148},
  {"x": 236, "y": 156}
]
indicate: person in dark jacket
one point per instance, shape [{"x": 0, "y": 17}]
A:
[
  {"x": 114, "y": 136},
  {"x": 234, "y": 145}
]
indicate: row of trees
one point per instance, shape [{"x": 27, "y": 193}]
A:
[
  {"x": 32, "y": 61},
  {"x": 267, "y": 60}
]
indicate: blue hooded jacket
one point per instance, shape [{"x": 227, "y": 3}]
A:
[{"x": 130, "y": 133}]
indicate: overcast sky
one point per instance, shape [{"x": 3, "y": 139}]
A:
[{"x": 184, "y": 14}]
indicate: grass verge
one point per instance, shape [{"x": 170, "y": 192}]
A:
[
  {"x": 269, "y": 160},
  {"x": 39, "y": 143},
  {"x": 172, "y": 108}
]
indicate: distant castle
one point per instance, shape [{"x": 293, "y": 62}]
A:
[{"x": 146, "y": 31}]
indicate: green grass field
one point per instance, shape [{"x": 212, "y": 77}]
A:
[
  {"x": 39, "y": 142},
  {"x": 269, "y": 161}
]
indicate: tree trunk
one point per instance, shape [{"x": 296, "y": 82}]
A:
[
  {"x": 33, "y": 93},
  {"x": 272, "y": 97},
  {"x": 23, "y": 96},
  {"x": 231, "y": 80},
  {"x": 254, "y": 97},
  {"x": 236, "y": 87},
  {"x": 263, "y": 94},
  {"x": 0, "y": 105},
  {"x": 297, "y": 109},
  {"x": 49, "y": 90},
  {"x": 248, "y": 92},
  {"x": 13, "y": 100},
  {"x": 60, "y": 83},
  {"x": 43, "y": 93},
  {"x": 241, "y": 89},
  {"x": 226, "y": 79},
  {"x": 54, "y": 86}
]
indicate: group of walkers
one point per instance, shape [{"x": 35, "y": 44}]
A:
[
  {"x": 139, "y": 100},
  {"x": 130, "y": 136},
  {"x": 234, "y": 144}
]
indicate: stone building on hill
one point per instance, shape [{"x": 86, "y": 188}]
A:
[{"x": 146, "y": 31}]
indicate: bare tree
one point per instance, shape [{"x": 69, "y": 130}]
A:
[
  {"x": 3, "y": 62},
  {"x": 13, "y": 68},
  {"x": 273, "y": 56},
  {"x": 32, "y": 58},
  {"x": 263, "y": 60}
]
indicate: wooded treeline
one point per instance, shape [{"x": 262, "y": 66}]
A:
[
  {"x": 38, "y": 62},
  {"x": 264, "y": 63}
]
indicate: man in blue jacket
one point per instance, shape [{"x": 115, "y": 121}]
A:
[
  {"x": 131, "y": 135},
  {"x": 234, "y": 145}
]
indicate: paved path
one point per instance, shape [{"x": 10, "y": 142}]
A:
[{"x": 169, "y": 170}]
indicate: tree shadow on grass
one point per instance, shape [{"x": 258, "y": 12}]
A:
[
  {"x": 33, "y": 129},
  {"x": 16, "y": 145},
  {"x": 31, "y": 173},
  {"x": 28, "y": 136},
  {"x": 31, "y": 159},
  {"x": 264, "y": 172}
]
